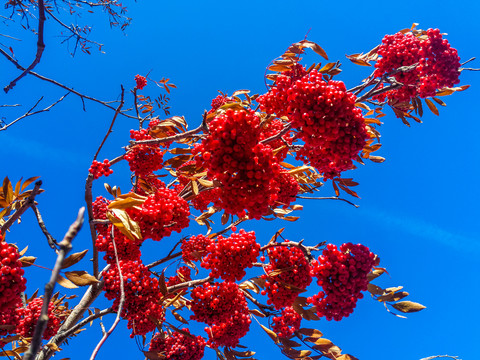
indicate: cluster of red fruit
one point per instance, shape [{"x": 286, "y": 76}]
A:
[
  {"x": 323, "y": 114},
  {"x": 183, "y": 275},
  {"x": 203, "y": 199},
  {"x": 437, "y": 64},
  {"x": 98, "y": 169},
  {"x": 229, "y": 257},
  {"x": 29, "y": 316},
  {"x": 12, "y": 284},
  {"x": 161, "y": 213},
  {"x": 245, "y": 168},
  {"x": 287, "y": 274},
  {"x": 286, "y": 324},
  {"x": 343, "y": 275},
  {"x": 140, "y": 81},
  {"x": 141, "y": 306},
  {"x": 194, "y": 248},
  {"x": 126, "y": 249},
  {"x": 223, "y": 307},
  {"x": 144, "y": 159},
  {"x": 178, "y": 345}
]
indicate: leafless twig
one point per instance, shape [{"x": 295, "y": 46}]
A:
[
  {"x": 327, "y": 198},
  {"x": 120, "y": 304},
  {"x": 119, "y": 108},
  {"x": 40, "y": 47},
  {"x": 51, "y": 241},
  {"x": 31, "y": 112},
  {"x": 65, "y": 246}
]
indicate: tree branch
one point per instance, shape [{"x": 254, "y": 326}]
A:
[
  {"x": 40, "y": 47},
  {"x": 120, "y": 305},
  {"x": 50, "y": 239},
  {"x": 65, "y": 247},
  {"x": 30, "y": 113}
]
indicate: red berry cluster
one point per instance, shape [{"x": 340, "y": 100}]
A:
[
  {"x": 29, "y": 316},
  {"x": 141, "y": 81},
  {"x": 195, "y": 247},
  {"x": 223, "y": 307},
  {"x": 8, "y": 321},
  {"x": 324, "y": 114},
  {"x": 245, "y": 168},
  {"x": 127, "y": 249},
  {"x": 141, "y": 307},
  {"x": 12, "y": 282},
  {"x": 438, "y": 64},
  {"x": 287, "y": 273},
  {"x": 289, "y": 188},
  {"x": 178, "y": 346},
  {"x": 219, "y": 101},
  {"x": 203, "y": 199},
  {"x": 100, "y": 208},
  {"x": 275, "y": 101},
  {"x": 162, "y": 213},
  {"x": 144, "y": 159},
  {"x": 343, "y": 275},
  {"x": 272, "y": 128},
  {"x": 286, "y": 324},
  {"x": 97, "y": 169},
  {"x": 183, "y": 275},
  {"x": 229, "y": 257}
]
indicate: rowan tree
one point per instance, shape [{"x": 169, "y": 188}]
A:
[{"x": 251, "y": 158}]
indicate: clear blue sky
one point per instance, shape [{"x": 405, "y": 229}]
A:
[{"x": 419, "y": 209}]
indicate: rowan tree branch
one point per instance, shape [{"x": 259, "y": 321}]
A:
[
  {"x": 120, "y": 304},
  {"x": 327, "y": 198},
  {"x": 93, "y": 233},
  {"x": 28, "y": 202},
  {"x": 65, "y": 246},
  {"x": 50, "y": 239},
  {"x": 31, "y": 112},
  {"x": 85, "y": 321},
  {"x": 117, "y": 111},
  {"x": 40, "y": 47},
  {"x": 69, "y": 89}
]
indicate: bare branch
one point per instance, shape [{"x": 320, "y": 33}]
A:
[
  {"x": 51, "y": 241},
  {"x": 82, "y": 96},
  {"x": 120, "y": 305},
  {"x": 93, "y": 232},
  {"x": 40, "y": 47},
  {"x": 327, "y": 198},
  {"x": 65, "y": 247},
  {"x": 113, "y": 122},
  {"x": 31, "y": 112}
]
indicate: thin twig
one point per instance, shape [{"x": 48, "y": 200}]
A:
[
  {"x": 266, "y": 310},
  {"x": 164, "y": 260},
  {"x": 187, "y": 284},
  {"x": 30, "y": 200},
  {"x": 50, "y": 239},
  {"x": 31, "y": 112},
  {"x": 40, "y": 47},
  {"x": 327, "y": 198},
  {"x": 54, "y": 82},
  {"x": 87, "y": 320},
  {"x": 65, "y": 246},
  {"x": 93, "y": 233},
  {"x": 119, "y": 108},
  {"x": 120, "y": 305}
]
